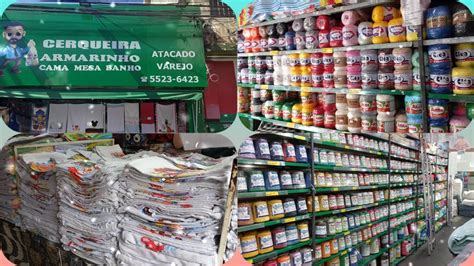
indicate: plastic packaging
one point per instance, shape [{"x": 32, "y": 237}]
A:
[
  {"x": 291, "y": 234},
  {"x": 328, "y": 78},
  {"x": 318, "y": 116},
  {"x": 272, "y": 181},
  {"x": 458, "y": 123},
  {"x": 301, "y": 156},
  {"x": 353, "y": 78},
  {"x": 245, "y": 216},
  {"x": 385, "y": 104},
  {"x": 386, "y": 59},
  {"x": 462, "y": 20},
  {"x": 290, "y": 40},
  {"x": 307, "y": 114},
  {"x": 438, "y": 22},
  {"x": 353, "y": 102},
  {"x": 276, "y": 209},
  {"x": 385, "y": 13},
  {"x": 264, "y": 239},
  {"x": 403, "y": 79},
  {"x": 268, "y": 109},
  {"x": 417, "y": 78},
  {"x": 369, "y": 60},
  {"x": 341, "y": 120},
  {"x": 368, "y": 104},
  {"x": 402, "y": 58},
  {"x": 401, "y": 123},
  {"x": 413, "y": 105},
  {"x": 369, "y": 80},
  {"x": 340, "y": 78},
  {"x": 396, "y": 30},
  {"x": 353, "y": 60},
  {"x": 350, "y": 17},
  {"x": 279, "y": 237},
  {"x": 365, "y": 33},
  {"x": 438, "y": 109},
  {"x": 286, "y": 181},
  {"x": 335, "y": 37},
  {"x": 247, "y": 149},
  {"x": 248, "y": 244},
  {"x": 440, "y": 80},
  {"x": 324, "y": 38},
  {"x": 349, "y": 35},
  {"x": 272, "y": 37},
  {"x": 260, "y": 211},
  {"x": 329, "y": 102},
  {"x": 414, "y": 123},
  {"x": 256, "y": 181},
  {"x": 463, "y": 80},
  {"x": 368, "y": 124},
  {"x": 262, "y": 149},
  {"x": 339, "y": 60},
  {"x": 385, "y": 124},
  {"x": 328, "y": 61},
  {"x": 439, "y": 126},
  {"x": 330, "y": 120},
  {"x": 386, "y": 79},
  {"x": 289, "y": 151},
  {"x": 439, "y": 56}
]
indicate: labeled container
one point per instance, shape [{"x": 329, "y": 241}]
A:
[
  {"x": 380, "y": 34},
  {"x": 438, "y": 22},
  {"x": 248, "y": 245},
  {"x": 265, "y": 242},
  {"x": 403, "y": 79},
  {"x": 396, "y": 30},
  {"x": 245, "y": 216},
  {"x": 279, "y": 237},
  {"x": 260, "y": 212},
  {"x": 386, "y": 79},
  {"x": 272, "y": 181},
  {"x": 413, "y": 105},
  {"x": 276, "y": 209},
  {"x": 386, "y": 59},
  {"x": 440, "y": 81},
  {"x": 296, "y": 113},
  {"x": 262, "y": 149},
  {"x": 368, "y": 104},
  {"x": 458, "y": 123},
  {"x": 464, "y": 55},
  {"x": 463, "y": 80},
  {"x": 354, "y": 121},
  {"x": 385, "y": 104},
  {"x": 385, "y": 124},
  {"x": 291, "y": 234},
  {"x": 439, "y": 56},
  {"x": 341, "y": 120},
  {"x": 402, "y": 58},
  {"x": 353, "y": 60},
  {"x": 268, "y": 109},
  {"x": 369, "y": 80},
  {"x": 369, "y": 123},
  {"x": 439, "y": 126},
  {"x": 401, "y": 123},
  {"x": 256, "y": 181},
  {"x": 414, "y": 123},
  {"x": 369, "y": 60},
  {"x": 365, "y": 33},
  {"x": 438, "y": 109}
]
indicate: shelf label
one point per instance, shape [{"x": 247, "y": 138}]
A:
[
  {"x": 264, "y": 87},
  {"x": 290, "y": 125},
  {"x": 355, "y": 188},
  {"x": 289, "y": 220},
  {"x": 275, "y": 163},
  {"x": 300, "y": 137},
  {"x": 335, "y": 189},
  {"x": 328, "y": 50},
  {"x": 347, "y": 233},
  {"x": 274, "y": 52},
  {"x": 305, "y": 89},
  {"x": 344, "y": 210},
  {"x": 272, "y": 193},
  {"x": 344, "y": 253}
]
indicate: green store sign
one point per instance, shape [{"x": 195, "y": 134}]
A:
[{"x": 81, "y": 47}]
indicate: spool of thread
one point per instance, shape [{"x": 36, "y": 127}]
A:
[
  {"x": 245, "y": 216},
  {"x": 396, "y": 30},
  {"x": 463, "y": 80},
  {"x": 368, "y": 105},
  {"x": 296, "y": 258},
  {"x": 317, "y": 78},
  {"x": 309, "y": 23},
  {"x": 349, "y": 35},
  {"x": 413, "y": 105},
  {"x": 439, "y": 126},
  {"x": 440, "y": 80},
  {"x": 323, "y": 38},
  {"x": 353, "y": 60},
  {"x": 365, "y": 33},
  {"x": 329, "y": 102},
  {"x": 300, "y": 40},
  {"x": 350, "y": 17},
  {"x": 414, "y": 123},
  {"x": 402, "y": 58},
  {"x": 415, "y": 59},
  {"x": 458, "y": 123},
  {"x": 248, "y": 244},
  {"x": 260, "y": 212},
  {"x": 322, "y": 22},
  {"x": 403, "y": 79},
  {"x": 438, "y": 109},
  {"x": 335, "y": 37},
  {"x": 339, "y": 60},
  {"x": 385, "y": 104},
  {"x": 340, "y": 78},
  {"x": 439, "y": 56},
  {"x": 369, "y": 60},
  {"x": 385, "y": 124},
  {"x": 353, "y": 78},
  {"x": 385, "y": 13},
  {"x": 328, "y": 62},
  {"x": 241, "y": 182},
  {"x": 311, "y": 38},
  {"x": 317, "y": 61},
  {"x": 341, "y": 120},
  {"x": 462, "y": 23},
  {"x": 369, "y": 80},
  {"x": 401, "y": 123},
  {"x": 438, "y": 22},
  {"x": 276, "y": 209},
  {"x": 380, "y": 34},
  {"x": 290, "y": 40},
  {"x": 328, "y": 79},
  {"x": 369, "y": 124},
  {"x": 417, "y": 78},
  {"x": 386, "y": 79},
  {"x": 301, "y": 206},
  {"x": 354, "y": 121},
  {"x": 297, "y": 25},
  {"x": 464, "y": 54},
  {"x": 386, "y": 60}
]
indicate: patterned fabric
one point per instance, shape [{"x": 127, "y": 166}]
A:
[{"x": 26, "y": 248}]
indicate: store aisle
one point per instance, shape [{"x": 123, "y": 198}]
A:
[{"x": 441, "y": 255}]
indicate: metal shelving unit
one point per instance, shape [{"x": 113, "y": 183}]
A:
[{"x": 314, "y": 191}]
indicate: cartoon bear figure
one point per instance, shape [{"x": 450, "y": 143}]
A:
[{"x": 15, "y": 50}]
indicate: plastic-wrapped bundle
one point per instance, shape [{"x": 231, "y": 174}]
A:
[
  {"x": 173, "y": 209},
  {"x": 463, "y": 23},
  {"x": 37, "y": 190},
  {"x": 9, "y": 200}
]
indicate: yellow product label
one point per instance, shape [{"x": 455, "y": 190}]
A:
[
  {"x": 274, "y": 163},
  {"x": 264, "y": 87},
  {"x": 335, "y": 189},
  {"x": 272, "y": 193},
  {"x": 305, "y": 89},
  {"x": 300, "y": 137},
  {"x": 290, "y": 125},
  {"x": 289, "y": 220},
  {"x": 274, "y": 52},
  {"x": 328, "y": 50},
  {"x": 344, "y": 210}
]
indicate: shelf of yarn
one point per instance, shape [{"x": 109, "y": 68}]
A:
[
  {"x": 277, "y": 252},
  {"x": 284, "y": 124},
  {"x": 258, "y": 162},
  {"x": 328, "y": 11},
  {"x": 319, "y": 190},
  {"x": 333, "y": 49},
  {"x": 453, "y": 40},
  {"x": 246, "y": 228}
]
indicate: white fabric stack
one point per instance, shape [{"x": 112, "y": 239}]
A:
[
  {"x": 37, "y": 191},
  {"x": 173, "y": 210}
]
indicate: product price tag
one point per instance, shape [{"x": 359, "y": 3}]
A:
[
  {"x": 264, "y": 87},
  {"x": 275, "y": 163},
  {"x": 272, "y": 193},
  {"x": 305, "y": 89},
  {"x": 328, "y": 50},
  {"x": 289, "y": 220},
  {"x": 274, "y": 52},
  {"x": 300, "y": 137},
  {"x": 290, "y": 125}
]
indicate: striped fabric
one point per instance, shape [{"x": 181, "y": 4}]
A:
[{"x": 280, "y": 8}]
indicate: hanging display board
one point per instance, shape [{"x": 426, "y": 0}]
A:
[{"x": 75, "y": 46}]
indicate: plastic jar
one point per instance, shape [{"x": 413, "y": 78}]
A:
[
  {"x": 386, "y": 79},
  {"x": 291, "y": 234},
  {"x": 248, "y": 244},
  {"x": 438, "y": 22},
  {"x": 385, "y": 104},
  {"x": 287, "y": 109},
  {"x": 458, "y": 123},
  {"x": 317, "y": 61},
  {"x": 380, "y": 32},
  {"x": 403, "y": 79},
  {"x": 402, "y": 58},
  {"x": 268, "y": 109},
  {"x": 341, "y": 102},
  {"x": 330, "y": 120},
  {"x": 339, "y": 60},
  {"x": 340, "y": 78},
  {"x": 439, "y": 56},
  {"x": 365, "y": 32},
  {"x": 276, "y": 209},
  {"x": 290, "y": 207},
  {"x": 264, "y": 239},
  {"x": 369, "y": 60},
  {"x": 301, "y": 206},
  {"x": 401, "y": 123},
  {"x": 295, "y": 73},
  {"x": 385, "y": 123},
  {"x": 303, "y": 231},
  {"x": 464, "y": 54},
  {"x": 289, "y": 152},
  {"x": 317, "y": 78},
  {"x": 396, "y": 30},
  {"x": 414, "y": 123},
  {"x": 318, "y": 116},
  {"x": 301, "y": 157},
  {"x": 307, "y": 114},
  {"x": 247, "y": 149},
  {"x": 354, "y": 121},
  {"x": 329, "y": 102},
  {"x": 341, "y": 120},
  {"x": 262, "y": 149},
  {"x": 328, "y": 78},
  {"x": 385, "y": 59},
  {"x": 307, "y": 254},
  {"x": 369, "y": 123},
  {"x": 440, "y": 80},
  {"x": 245, "y": 216},
  {"x": 369, "y": 80},
  {"x": 285, "y": 180},
  {"x": 272, "y": 181},
  {"x": 278, "y": 77},
  {"x": 296, "y": 258},
  {"x": 278, "y": 111},
  {"x": 328, "y": 61},
  {"x": 335, "y": 37},
  {"x": 438, "y": 108},
  {"x": 323, "y": 38},
  {"x": 368, "y": 105},
  {"x": 279, "y": 237},
  {"x": 353, "y": 101},
  {"x": 241, "y": 182},
  {"x": 463, "y": 80},
  {"x": 260, "y": 212},
  {"x": 354, "y": 78},
  {"x": 256, "y": 181}
]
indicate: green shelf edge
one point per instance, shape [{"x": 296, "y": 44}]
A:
[
  {"x": 319, "y": 190},
  {"x": 277, "y": 252}
]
